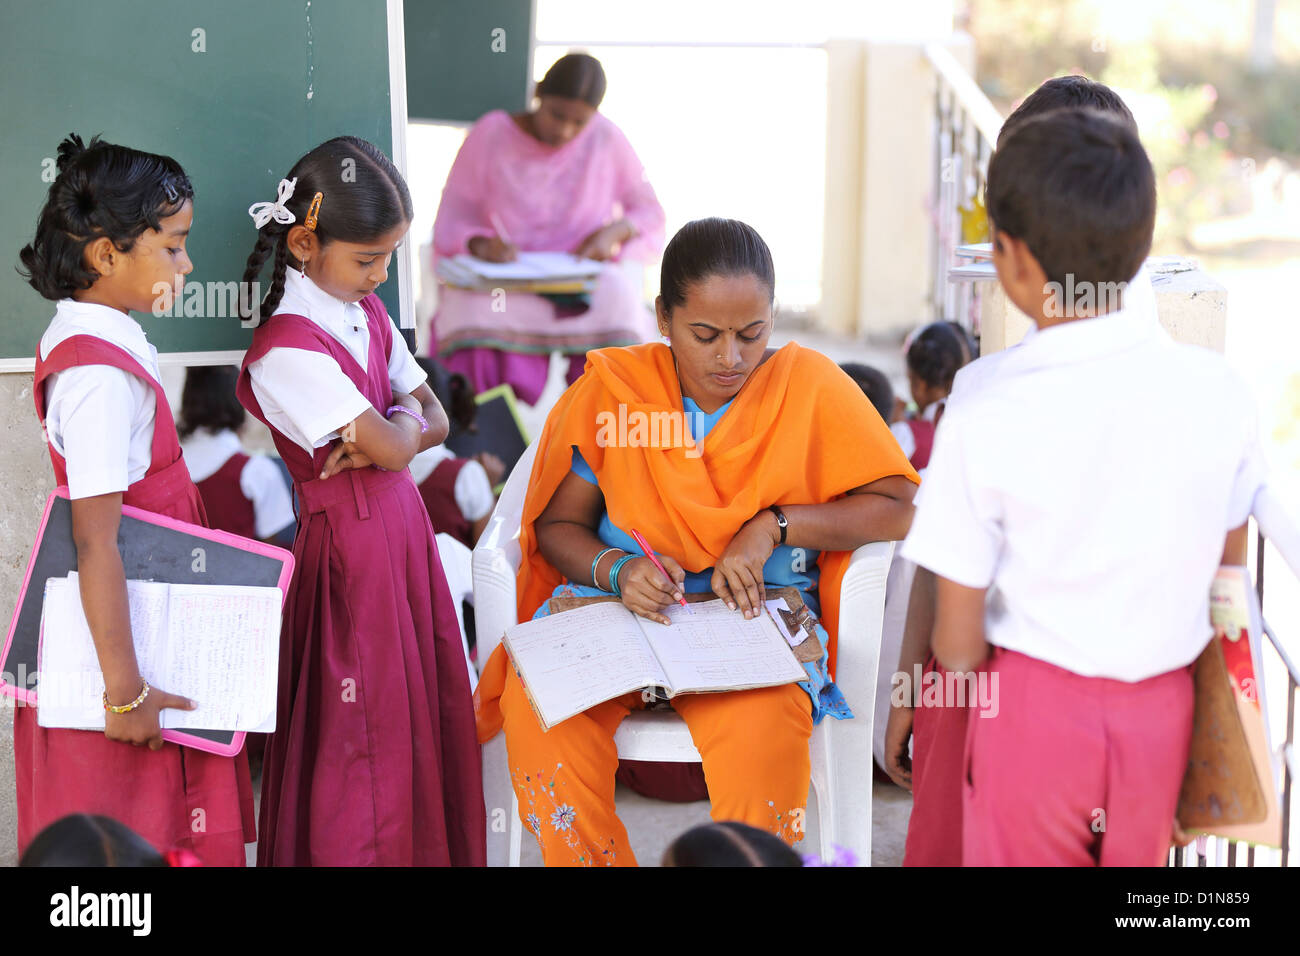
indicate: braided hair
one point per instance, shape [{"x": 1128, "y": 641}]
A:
[
  {"x": 363, "y": 196},
  {"x": 100, "y": 190}
]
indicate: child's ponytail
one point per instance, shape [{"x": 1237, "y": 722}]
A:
[{"x": 363, "y": 196}]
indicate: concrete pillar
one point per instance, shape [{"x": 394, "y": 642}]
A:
[{"x": 880, "y": 156}]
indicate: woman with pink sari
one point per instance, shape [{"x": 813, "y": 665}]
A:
[{"x": 559, "y": 178}]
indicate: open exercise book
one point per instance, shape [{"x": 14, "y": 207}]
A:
[
  {"x": 218, "y": 645},
  {"x": 572, "y": 660}
]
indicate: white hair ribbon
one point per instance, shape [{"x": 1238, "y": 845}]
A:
[{"x": 264, "y": 212}]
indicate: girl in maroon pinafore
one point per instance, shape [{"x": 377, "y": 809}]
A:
[
  {"x": 374, "y": 760},
  {"x": 112, "y": 233}
]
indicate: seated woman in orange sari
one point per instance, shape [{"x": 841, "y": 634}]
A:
[{"x": 790, "y": 469}]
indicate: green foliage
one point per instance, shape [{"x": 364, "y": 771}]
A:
[{"x": 1207, "y": 119}]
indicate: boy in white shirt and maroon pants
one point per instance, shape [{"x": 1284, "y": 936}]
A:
[{"x": 1074, "y": 541}]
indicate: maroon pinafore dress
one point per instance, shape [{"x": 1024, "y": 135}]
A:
[
  {"x": 375, "y": 759},
  {"x": 173, "y": 797},
  {"x": 224, "y": 500},
  {"x": 438, "y": 492}
]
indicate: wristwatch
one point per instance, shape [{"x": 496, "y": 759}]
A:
[{"x": 780, "y": 521}]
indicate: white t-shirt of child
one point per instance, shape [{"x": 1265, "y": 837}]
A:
[
  {"x": 260, "y": 481},
  {"x": 472, "y": 490},
  {"x": 1139, "y": 300},
  {"x": 100, "y": 418},
  {"x": 1090, "y": 485},
  {"x": 305, "y": 395},
  {"x": 902, "y": 432}
]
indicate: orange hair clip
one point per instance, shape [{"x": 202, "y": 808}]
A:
[{"x": 313, "y": 211}]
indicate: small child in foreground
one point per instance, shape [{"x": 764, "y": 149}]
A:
[{"x": 728, "y": 843}]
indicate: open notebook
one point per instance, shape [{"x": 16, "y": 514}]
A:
[
  {"x": 572, "y": 660},
  {"x": 215, "y": 644}
]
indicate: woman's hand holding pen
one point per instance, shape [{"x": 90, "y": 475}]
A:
[
  {"x": 738, "y": 575},
  {"x": 645, "y": 590}
]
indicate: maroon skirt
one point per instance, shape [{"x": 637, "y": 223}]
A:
[{"x": 374, "y": 760}]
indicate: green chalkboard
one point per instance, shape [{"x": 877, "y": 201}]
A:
[
  {"x": 235, "y": 91},
  {"x": 465, "y": 58}
]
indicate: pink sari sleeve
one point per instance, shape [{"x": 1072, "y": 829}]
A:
[
  {"x": 640, "y": 204},
  {"x": 462, "y": 213}
]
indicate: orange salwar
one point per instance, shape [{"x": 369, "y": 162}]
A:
[
  {"x": 753, "y": 743},
  {"x": 798, "y": 432}
]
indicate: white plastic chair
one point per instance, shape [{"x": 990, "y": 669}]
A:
[{"x": 840, "y": 749}]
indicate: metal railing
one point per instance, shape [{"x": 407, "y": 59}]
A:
[
  {"x": 966, "y": 126},
  {"x": 1219, "y": 851}
]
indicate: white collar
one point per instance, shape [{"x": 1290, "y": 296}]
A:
[
  {"x": 223, "y": 439},
  {"x": 305, "y": 297},
  {"x": 102, "y": 321},
  {"x": 1086, "y": 339}
]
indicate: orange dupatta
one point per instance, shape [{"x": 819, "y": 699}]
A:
[{"x": 800, "y": 431}]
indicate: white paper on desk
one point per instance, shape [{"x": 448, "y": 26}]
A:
[
  {"x": 714, "y": 646},
  {"x": 535, "y": 266},
  {"x": 215, "y": 644}
]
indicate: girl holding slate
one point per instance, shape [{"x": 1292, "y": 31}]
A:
[
  {"x": 111, "y": 236},
  {"x": 374, "y": 760}
]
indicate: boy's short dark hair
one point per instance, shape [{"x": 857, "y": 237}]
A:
[
  {"x": 874, "y": 385},
  {"x": 1066, "y": 92},
  {"x": 1077, "y": 187}
]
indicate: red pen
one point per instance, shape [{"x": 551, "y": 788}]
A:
[{"x": 650, "y": 553}]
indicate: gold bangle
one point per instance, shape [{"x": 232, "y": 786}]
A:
[{"x": 127, "y": 708}]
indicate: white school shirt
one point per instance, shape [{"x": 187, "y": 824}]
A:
[
  {"x": 1090, "y": 486},
  {"x": 304, "y": 394},
  {"x": 1139, "y": 301},
  {"x": 260, "y": 481},
  {"x": 902, "y": 432},
  {"x": 472, "y": 490},
  {"x": 99, "y": 417}
]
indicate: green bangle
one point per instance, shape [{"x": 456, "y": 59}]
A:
[
  {"x": 613, "y": 573},
  {"x": 596, "y": 561}
]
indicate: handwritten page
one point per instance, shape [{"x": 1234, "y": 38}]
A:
[
  {"x": 215, "y": 644},
  {"x": 576, "y": 659},
  {"x": 223, "y": 645},
  {"x": 715, "y": 648}
]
